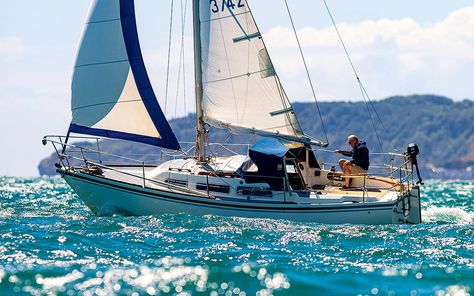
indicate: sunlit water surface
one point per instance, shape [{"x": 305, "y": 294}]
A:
[{"x": 51, "y": 244}]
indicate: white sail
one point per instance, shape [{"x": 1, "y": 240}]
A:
[
  {"x": 241, "y": 90},
  {"x": 111, "y": 93}
]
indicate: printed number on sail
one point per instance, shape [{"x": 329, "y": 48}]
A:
[{"x": 229, "y": 3}]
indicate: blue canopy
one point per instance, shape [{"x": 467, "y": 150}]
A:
[{"x": 270, "y": 146}]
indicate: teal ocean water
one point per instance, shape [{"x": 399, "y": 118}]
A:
[{"x": 51, "y": 244}]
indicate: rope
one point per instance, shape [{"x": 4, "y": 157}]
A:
[
  {"x": 169, "y": 56},
  {"x": 221, "y": 146},
  {"x": 183, "y": 19},
  {"x": 361, "y": 85},
  {"x": 371, "y": 120},
  {"x": 373, "y": 107},
  {"x": 307, "y": 72},
  {"x": 181, "y": 68},
  {"x": 180, "y": 65}
]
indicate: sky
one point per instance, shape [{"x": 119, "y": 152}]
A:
[{"x": 398, "y": 48}]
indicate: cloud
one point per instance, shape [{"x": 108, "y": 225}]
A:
[
  {"x": 392, "y": 56},
  {"x": 11, "y": 47},
  {"x": 34, "y": 101}
]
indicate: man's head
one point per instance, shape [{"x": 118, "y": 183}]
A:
[{"x": 353, "y": 140}]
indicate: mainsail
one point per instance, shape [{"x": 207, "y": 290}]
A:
[
  {"x": 111, "y": 92},
  {"x": 241, "y": 90}
]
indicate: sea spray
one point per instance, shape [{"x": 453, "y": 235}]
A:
[{"x": 51, "y": 243}]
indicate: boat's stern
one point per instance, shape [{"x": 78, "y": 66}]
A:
[
  {"x": 415, "y": 206},
  {"x": 408, "y": 208}
]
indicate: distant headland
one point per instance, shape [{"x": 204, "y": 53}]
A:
[{"x": 443, "y": 129}]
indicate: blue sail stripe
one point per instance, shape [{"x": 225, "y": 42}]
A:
[
  {"x": 74, "y": 128},
  {"x": 132, "y": 44}
]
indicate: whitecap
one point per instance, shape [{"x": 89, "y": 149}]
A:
[{"x": 447, "y": 215}]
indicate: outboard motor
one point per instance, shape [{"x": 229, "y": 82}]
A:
[{"x": 412, "y": 152}]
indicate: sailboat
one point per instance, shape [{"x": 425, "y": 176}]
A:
[{"x": 237, "y": 89}]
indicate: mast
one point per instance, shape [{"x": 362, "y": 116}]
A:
[{"x": 200, "y": 130}]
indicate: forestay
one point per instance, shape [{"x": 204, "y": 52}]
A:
[
  {"x": 241, "y": 90},
  {"x": 111, "y": 92}
]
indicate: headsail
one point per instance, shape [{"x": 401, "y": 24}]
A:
[
  {"x": 241, "y": 90},
  {"x": 111, "y": 92}
]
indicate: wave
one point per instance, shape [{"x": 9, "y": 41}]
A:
[{"x": 447, "y": 215}]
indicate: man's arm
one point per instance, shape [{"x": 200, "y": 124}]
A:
[{"x": 345, "y": 153}]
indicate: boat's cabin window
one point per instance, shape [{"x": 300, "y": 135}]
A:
[
  {"x": 213, "y": 187},
  {"x": 254, "y": 191},
  {"x": 177, "y": 182}
]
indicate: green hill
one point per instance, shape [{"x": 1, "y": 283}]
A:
[{"x": 443, "y": 129}]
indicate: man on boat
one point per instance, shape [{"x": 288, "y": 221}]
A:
[{"x": 360, "y": 159}]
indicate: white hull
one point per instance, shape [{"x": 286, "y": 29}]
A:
[{"x": 102, "y": 194}]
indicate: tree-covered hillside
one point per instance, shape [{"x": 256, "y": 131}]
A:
[{"x": 443, "y": 129}]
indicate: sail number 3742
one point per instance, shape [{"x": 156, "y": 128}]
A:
[{"x": 220, "y": 5}]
